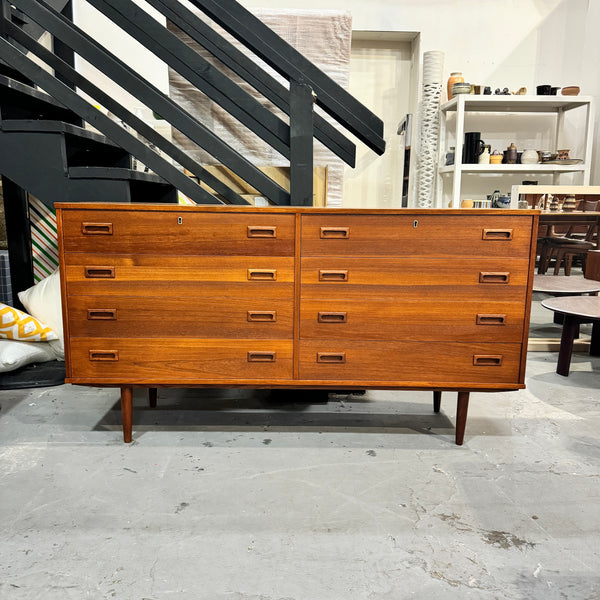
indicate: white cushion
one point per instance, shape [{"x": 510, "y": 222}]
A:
[
  {"x": 14, "y": 354},
  {"x": 43, "y": 302}
]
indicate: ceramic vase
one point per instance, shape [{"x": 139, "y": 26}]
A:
[
  {"x": 570, "y": 204},
  {"x": 529, "y": 157},
  {"x": 455, "y": 77}
]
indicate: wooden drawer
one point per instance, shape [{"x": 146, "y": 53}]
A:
[
  {"x": 174, "y": 362},
  {"x": 421, "y": 320},
  {"x": 194, "y": 276},
  {"x": 190, "y": 317},
  {"x": 459, "y": 279},
  {"x": 178, "y": 232},
  {"x": 410, "y": 363},
  {"x": 416, "y": 234}
]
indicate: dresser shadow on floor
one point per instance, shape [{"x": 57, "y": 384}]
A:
[{"x": 302, "y": 410}]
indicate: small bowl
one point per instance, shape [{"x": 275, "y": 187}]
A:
[
  {"x": 461, "y": 88},
  {"x": 571, "y": 90}
]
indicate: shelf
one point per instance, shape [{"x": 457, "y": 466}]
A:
[
  {"x": 489, "y": 108},
  {"x": 541, "y": 104},
  {"x": 535, "y": 168}
]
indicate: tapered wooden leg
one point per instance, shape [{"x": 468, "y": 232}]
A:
[
  {"x": 570, "y": 330},
  {"x": 152, "y": 396},
  {"x": 126, "y": 412},
  {"x": 462, "y": 407},
  {"x": 595, "y": 341},
  {"x": 437, "y": 401}
]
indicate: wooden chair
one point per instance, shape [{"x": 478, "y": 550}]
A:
[{"x": 564, "y": 249}]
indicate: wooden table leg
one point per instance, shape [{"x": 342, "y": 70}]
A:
[
  {"x": 127, "y": 412},
  {"x": 569, "y": 331},
  {"x": 152, "y": 396},
  {"x": 437, "y": 401},
  {"x": 595, "y": 341},
  {"x": 462, "y": 407}
]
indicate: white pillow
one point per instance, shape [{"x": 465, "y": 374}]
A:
[
  {"x": 44, "y": 303},
  {"x": 14, "y": 354}
]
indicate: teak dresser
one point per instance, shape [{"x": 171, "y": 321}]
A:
[{"x": 168, "y": 295}]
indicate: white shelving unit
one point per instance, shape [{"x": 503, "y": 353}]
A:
[{"x": 502, "y": 106}]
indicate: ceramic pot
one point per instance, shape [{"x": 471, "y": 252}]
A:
[
  {"x": 529, "y": 157},
  {"x": 455, "y": 77},
  {"x": 510, "y": 154},
  {"x": 501, "y": 202}
]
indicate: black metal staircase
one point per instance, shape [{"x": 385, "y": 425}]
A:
[{"x": 46, "y": 150}]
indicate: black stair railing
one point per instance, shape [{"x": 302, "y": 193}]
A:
[{"x": 293, "y": 140}]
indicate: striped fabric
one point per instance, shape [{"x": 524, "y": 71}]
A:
[{"x": 43, "y": 239}]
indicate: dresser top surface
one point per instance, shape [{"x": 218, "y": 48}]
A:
[{"x": 156, "y": 207}]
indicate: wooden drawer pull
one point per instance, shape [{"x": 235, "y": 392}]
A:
[
  {"x": 104, "y": 355},
  {"x": 494, "y": 277},
  {"x": 99, "y": 272},
  {"x": 497, "y": 234},
  {"x": 262, "y": 274},
  {"x": 266, "y": 316},
  {"x": 335, "y": 233},
  {"x": 332, "y": 317},
  {"x": 260, "y": 231},
  {"x": 262, "y": 356},
  {"x": 331, "y": 357},
  {"x": 333, "y": 275},
  {"x": 491, "y": 319},
  {"x": 97, "y": 228},
  {"x": 102, "y": 314},
  {"x": 484, "y": 360}
]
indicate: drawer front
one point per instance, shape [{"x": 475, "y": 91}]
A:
[
  {"x": 410, "y": 235},
  {"x": 173, "y": 362},
  {"x": 460, "y": 279},
  {"x": 423, "y": 320},
  {"x": 181, "y": 233},
  {"x": 191, "y": 317},
  {"x": 440, "y": 364},
  {"x": 196, "y": 276}
]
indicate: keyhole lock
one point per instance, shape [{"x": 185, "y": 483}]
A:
[
  {"x": 179, "y": 220},
  {"x": 415, "y": 223}
]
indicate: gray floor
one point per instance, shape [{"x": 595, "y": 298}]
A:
[{"x": 233, "y": 496}]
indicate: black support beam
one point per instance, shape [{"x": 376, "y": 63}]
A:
[
  {"x": 18, "y": 232},
  {"x": 301, "y": 169}
]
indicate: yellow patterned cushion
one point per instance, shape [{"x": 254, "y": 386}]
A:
[{"x": 18, "y": 325}]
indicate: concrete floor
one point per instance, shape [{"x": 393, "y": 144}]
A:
[{"x": 231, "y": 496}]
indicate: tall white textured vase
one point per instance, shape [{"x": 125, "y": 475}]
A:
[{"x": 429, "y": 117}]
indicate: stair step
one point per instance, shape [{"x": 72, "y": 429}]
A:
[
  {"x": 21, "y": 101},
  {"x": 83, "y": 147},
  {"x": 143, "y": 187},
  {"x": 11, "y": 73},
  {"x": 114, "y": 173}
]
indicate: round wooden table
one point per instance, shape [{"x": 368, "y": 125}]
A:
[
  {"x": 563, "y": 284},
  {"x": 575, "y": 310}
]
